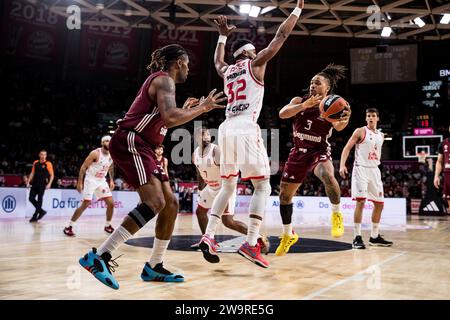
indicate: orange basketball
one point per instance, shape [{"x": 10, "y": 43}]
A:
[{"x": 332, "y": 106}]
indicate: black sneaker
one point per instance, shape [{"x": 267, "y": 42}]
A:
[
  {"x": 358, "y": 243},
  {"x": 379, "y": 241},
  {"x": 34, "y": 218},
  {"x": 42, "y": 214}
]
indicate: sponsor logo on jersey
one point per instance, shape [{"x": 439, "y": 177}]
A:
[
  {"x": 238, "y": 108},
  {"x": 303, "y": 136},
  {"x": 163, "y": 131},
  {"x": 236, "y": 74}
]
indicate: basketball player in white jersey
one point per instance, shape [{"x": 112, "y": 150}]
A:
[
  {"x": 366, "y": 177},
  {"x": 206, "y": 158},
  {"x": 241, "y": 145},
  {"x": 92, "y": 181}
]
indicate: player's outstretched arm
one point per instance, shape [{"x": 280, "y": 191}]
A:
[
  {"x": 283, "y": 32},
  {"x": 173, "y": 116},
  {"x": 356, "y": 136},
  {"x": 296, "y": 105},
  {"x": 92, "y": 157},
  {"x": 219, "y": 54}
]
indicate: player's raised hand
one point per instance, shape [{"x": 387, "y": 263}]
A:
[
  {"x": 212, "y": 101},
  {"x": 190, "y": 102},
  {"x": 300, "y": 4},
  {"x": 343, "y": 172},
  {"x": 437, "y": 182},
  {"x": 222, "y": 25},
  {"x": 312, "y": 101}
]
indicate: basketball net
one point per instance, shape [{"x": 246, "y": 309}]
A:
[{"x": 421, "y": 156}]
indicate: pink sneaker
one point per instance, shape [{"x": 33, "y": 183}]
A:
[
  {"x": 209, "y": 249},
  {"x": 253, "y": 254}
]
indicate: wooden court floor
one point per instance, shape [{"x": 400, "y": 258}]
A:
[{"x": 37, "y": 261}]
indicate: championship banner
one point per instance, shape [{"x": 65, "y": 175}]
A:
[
  {"x": 107, "y": 48},
  {"x": 32, "y": 31},
  {"x": 192, "y": 41}
]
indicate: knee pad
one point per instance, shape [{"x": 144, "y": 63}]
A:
[{"x": 141, "y": 214}]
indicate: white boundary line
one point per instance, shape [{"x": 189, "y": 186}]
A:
[{"x": 350, "y": 278}]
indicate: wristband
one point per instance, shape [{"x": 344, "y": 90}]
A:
[
  {"x": 222, "y": 39},
  {"x": 297, "y": 11}
]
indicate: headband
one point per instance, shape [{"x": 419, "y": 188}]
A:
[
  {"x": 106, "y": 138},
  {"x": 245, "y": 47}
]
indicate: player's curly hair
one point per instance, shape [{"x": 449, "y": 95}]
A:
[
  {"x": 334, "y": 73},
  {"x": 161, "y": 58}
]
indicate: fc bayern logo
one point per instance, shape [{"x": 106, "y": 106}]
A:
[
  {"x": 9, "y": 204},
  {"x": 300, "y": 204}
]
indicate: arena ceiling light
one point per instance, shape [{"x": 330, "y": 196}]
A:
[
  {"x": 445, "y": 18},
  {"x": 267, "y": 9},
  {"x": 419, "y": 22},
  {"x": 128, "y": 12},
  {"x": 254, "y": 11},
  {"x": 386, "y": 32},
  {"x": 100, "y": 5},
  {"x": 245, "y": 8}
]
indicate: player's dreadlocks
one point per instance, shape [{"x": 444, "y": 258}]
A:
[
  {"x": 333, "y": 73},
  {"x": 161, "y": 58}
]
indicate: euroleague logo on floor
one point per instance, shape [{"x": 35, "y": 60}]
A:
[{"x": 9, "y": 204}]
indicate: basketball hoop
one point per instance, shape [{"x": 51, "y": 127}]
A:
[{"x": 422, "y": 156}]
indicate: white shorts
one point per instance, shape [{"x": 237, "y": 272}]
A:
[
  {"x": 244, "y": 153},
  {"x": 207, "y": 196},
  {"x": 367, "y": 184},
  {"x": 97, "y": 187}
]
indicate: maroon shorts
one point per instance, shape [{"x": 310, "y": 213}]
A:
[
  {"x": 134, "y": 158},
  {"x": 300, "y": 163},
  {"x": 446, "y": 182}
]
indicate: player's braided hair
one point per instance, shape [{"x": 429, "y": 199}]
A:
[
  {"x": 161, "y": 58},
  {"x": 334, "y": 73}
]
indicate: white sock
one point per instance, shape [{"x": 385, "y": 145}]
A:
[
  {"x": 357, "y": 229},
  {"x": 287, "y": 229},
  {"x": 336, "y": 207},
  {"x": 213, "y": 221},
  {"x": 253, "y": 231},
  {"x": 375, "y": 230},
  {"x": 72, "y": 223},
  {"x": 119, "y": 236},
  {"x": 159, "y": 249},
  {"x": 108, "y": 223}
]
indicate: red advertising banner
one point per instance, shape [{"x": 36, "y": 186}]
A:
[
  {"x": 192, "y": 41},
  {"x": 32, "y": 31},
  {"x": 109, "y": 48}
]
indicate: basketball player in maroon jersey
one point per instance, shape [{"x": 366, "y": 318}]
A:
[
  {"x": 311, "y": 152},
  {"x": 141, "y": 130},
  {"x": 443, "y": 165}
]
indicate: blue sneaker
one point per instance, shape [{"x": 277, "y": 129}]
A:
[
  {"x": 99, "y": 266},
  {"x": 158, "y": 273}
]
